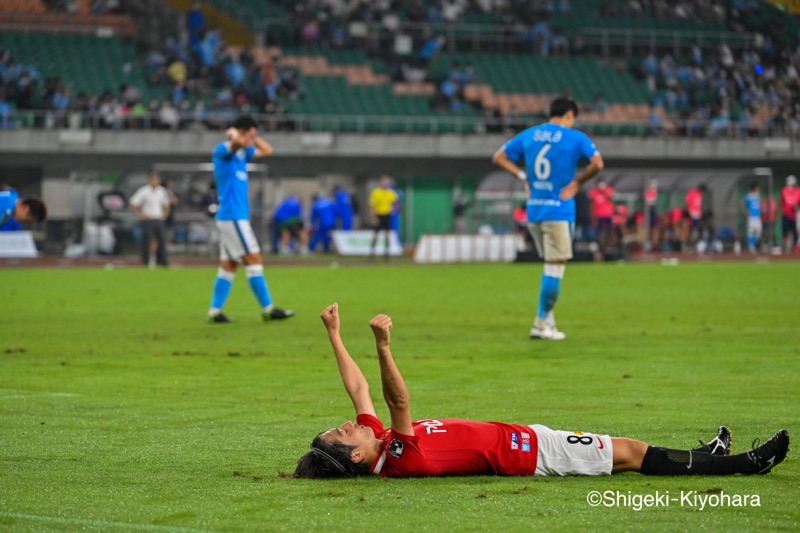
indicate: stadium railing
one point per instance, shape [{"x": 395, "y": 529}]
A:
[
  {"x": 475, "y": 37},
  {"x": 371, "y": 124}
]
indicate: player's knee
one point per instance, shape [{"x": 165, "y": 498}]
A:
[
  {"x": 628, "y": 454},
  {"x": 228, "y": 266},
  {"x": 252, "y": 259}
]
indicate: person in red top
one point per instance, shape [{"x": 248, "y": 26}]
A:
[
  {"x": 790, "y": 204},
  {"x": 694, "y": 206},
  {"x": 602, "y": 198},
  {"x": 453, "y": 447},
  {"x": 651, "y": 206}
]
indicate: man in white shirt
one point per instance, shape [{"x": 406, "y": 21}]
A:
[{"x": 151, "y": 204}]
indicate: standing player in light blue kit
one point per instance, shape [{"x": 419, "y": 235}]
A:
[
  {"x": 751, "y": 206},
  {"x": 238, "y": 243},
  {"x": 551, "y": 152}
]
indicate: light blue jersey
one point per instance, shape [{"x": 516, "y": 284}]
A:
[
  {"x": 8, "y": 202},
  {"x": 752, "y": 203},
  {"x": 230, "y": 172},
  {"x": 551, "y": 155}
]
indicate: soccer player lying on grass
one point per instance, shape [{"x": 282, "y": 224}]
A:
[{"x": 451, "y": 447}]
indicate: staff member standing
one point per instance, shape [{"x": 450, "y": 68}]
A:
[
  {"x": 151, "y": 204},
  {"x": 381, "y": 203}
]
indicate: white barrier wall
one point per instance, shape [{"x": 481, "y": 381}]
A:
[
  {"x": 357, "y": 243},
  {"x": 15, "y": 244},
  {"x": 467, "y": 248}
]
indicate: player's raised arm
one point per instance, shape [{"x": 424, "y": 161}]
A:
[
  {"x": 354, "y": 381},
  {"x": 263, "y": 148},
  {"x": 394, "y": 388}
]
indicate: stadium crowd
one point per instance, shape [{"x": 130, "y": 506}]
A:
[{"x": 202, "y": 83}]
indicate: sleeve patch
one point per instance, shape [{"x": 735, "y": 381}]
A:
[{"x": 395, "y": 448}]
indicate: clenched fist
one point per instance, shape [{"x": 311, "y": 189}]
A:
[
  {"x": 330, "y": 317},
  {"x": 381, "y": 325}
]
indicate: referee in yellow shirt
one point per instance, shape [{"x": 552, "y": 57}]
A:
[{"x": 381, "y": 202}]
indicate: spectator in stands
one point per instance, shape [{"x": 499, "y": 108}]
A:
[
  {"x": 449, "y": 95},
  {"x": 136, "y": 116},
  {"x": 110, "y": 113},
  {"x": 655, "y": 120},
  {"x": 512, "y": 121},
  {"x": 195, "y": 24},
  {"x": 432, "y": 46},
  {"x": 168, "y": 117},
  {"x": 599, "y": 105}
]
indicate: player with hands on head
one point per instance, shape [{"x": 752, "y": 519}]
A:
[
  {"x": 238, "y": 243},
  {"x": 456, "y": 447}
]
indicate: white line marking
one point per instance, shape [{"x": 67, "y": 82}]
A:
[
  {"x": 98, "y": 523},
  {"x": 22, "y": 393}
]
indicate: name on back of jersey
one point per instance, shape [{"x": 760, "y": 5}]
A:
[{"x": 546, "y": 136}]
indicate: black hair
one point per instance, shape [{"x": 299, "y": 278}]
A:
[
  {"x": 245, "y": 123},
  {"x": 754, "y": 186},
  {"x": 37, "y": 208},
  {"x": 329, "y": 461},
  {"x": 563, "y": 105}
]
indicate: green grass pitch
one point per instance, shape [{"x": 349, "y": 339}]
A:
[{"x": 121, "y": 410}]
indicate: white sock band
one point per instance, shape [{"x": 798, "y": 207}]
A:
[
  {"x": 255, "y": 270},
  {"x": 554, "y": 271},
  {"x": 224, "y": 274}
]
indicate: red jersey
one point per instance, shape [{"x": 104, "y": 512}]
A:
[
  {"x": 602, "y": 206},
  {"x": 790, "y": 200},
  {"x": 694, "y": 203},
  {"x": 676, "y": 215},
  {"x": 520, "y": 216},
  {"x": 651, "y": 196},
  {"x": 452, "y": 447},
  {"x": 768, "y": 209},
  {"x": 621, "y": 216}
]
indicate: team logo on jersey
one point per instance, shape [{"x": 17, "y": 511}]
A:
[
  {"x": 526, "y": 447},
  {"x": 242, "y": 175},
  {"x": 525, "y": 435},
  {"x": 395, "y": 448},
  {"x": 514, "y": 441}
]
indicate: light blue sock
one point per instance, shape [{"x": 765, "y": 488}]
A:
[
  {"x": 751, "y": 242},
  {"x": 548, "y": 295},
  {"x": 222, "y": 288},
  {"x": 551, "y": 286},
  {"x": 255, "y": 277}
]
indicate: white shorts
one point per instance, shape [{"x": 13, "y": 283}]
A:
[
  {"x": 754, "y": 226},
  {"x": 553, "y": 239},
  {"x": 572, "y": 453},
  {"x": 236, "y": 239}
]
